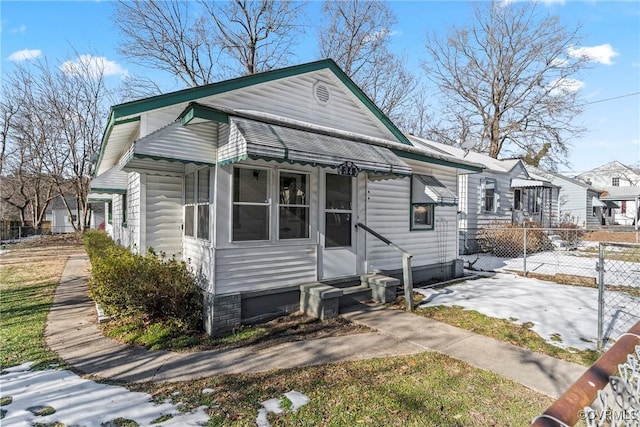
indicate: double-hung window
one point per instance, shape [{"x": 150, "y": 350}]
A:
[
  {"x": 196, "y": 204},
  {"x": 293, "y": 207},
  {"x": 489, "y": 195},
  {"x": 251, "y": 204},
  {"x": 124, "y": 209}
]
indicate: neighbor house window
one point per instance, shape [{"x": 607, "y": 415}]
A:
[
  {"x": 490, "y": 195},
  {"x": 196, "y": 204},
  {"x": 293, "y": 207},
  {"x": 615, "y": 181},
  {"x": 251, "y": 204},
  {"x": 534, "y": 200},
  {"x": 109, "y": 212}
]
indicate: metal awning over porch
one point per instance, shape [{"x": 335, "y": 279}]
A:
[
  {"x": 168, "y": 148},
  {"x": 250, "y": 139},
  {"x": 113, "y": 181},
  {"x": 528, "y": 183},
  {"x": 597, "y": 203}
]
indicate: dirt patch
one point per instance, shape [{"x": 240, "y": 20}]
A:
[{"x": 612, "y": 236}]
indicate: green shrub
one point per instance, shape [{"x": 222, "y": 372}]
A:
[
  {"x": 128, "y": 284},
  {"x": 507, "y": 240}
]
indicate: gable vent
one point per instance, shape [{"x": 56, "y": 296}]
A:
[{"x": 321, "y": 93}]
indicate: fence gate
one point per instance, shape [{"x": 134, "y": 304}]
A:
[{"x": 618, "y": 289}]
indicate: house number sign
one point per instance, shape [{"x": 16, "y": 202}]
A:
[{"x": 348, "y": 169}]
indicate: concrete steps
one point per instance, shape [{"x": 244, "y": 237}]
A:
[{"x": 325, "y": 299}]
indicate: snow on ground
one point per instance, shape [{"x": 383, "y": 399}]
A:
[
  {"x": 567, "y": 312},
  {"x": 296, "y": 398},
  {"x": 80, "y": 402}
]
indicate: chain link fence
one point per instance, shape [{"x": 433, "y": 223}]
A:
[
  {"x": 570, "y": 256},
  {"x": 618, "y": 289}
]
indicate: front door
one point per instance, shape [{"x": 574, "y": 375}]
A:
[{"x": 338, "y": 213}]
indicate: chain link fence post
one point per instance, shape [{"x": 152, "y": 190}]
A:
[
  {"x": 600, "y": 269},
  {"x": 524, "y": 261}
]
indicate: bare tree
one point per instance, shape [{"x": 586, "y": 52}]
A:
[
  {"x": 254, "y": 35},
  {"x": 356, "y": 35},
  {"x": 200, "y": 42},
  {"x": 53, "y": 134},
  {"x": 167, "y": 36},
  {"x": 509, "y": 83}
]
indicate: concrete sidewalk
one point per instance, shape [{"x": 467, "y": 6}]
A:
[{"x": 72, "y": 332}]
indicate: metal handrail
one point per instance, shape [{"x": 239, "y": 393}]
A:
[{"x": 407, "y": 277}]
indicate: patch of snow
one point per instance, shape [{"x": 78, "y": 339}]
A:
[
  {"x": 207, "y": 390},
  {"x": 566, "y": 312},
  {"x": 273, "y": 405},
  {"x": 81, "y": 402},
  {"x": 19, "y": 368},
  {"x": 297, "y": 399}
]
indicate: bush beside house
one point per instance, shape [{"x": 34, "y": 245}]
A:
[{"x": 148, "y": 287}]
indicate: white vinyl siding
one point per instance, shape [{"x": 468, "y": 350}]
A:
[
  {"x": 388, "y": 213},
  {"x": 164, "y": 214},
  {"x": 264, "y": 267}
]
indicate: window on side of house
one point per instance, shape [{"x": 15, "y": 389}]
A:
[
  {"x": 293, "y": 207},
  {"x": 517, "y": 199},
  {"x": 615, "y": 181},
  {"x": 124, "y": 209},
  {"x": 109, "y": 212},
  {"x": 490, "y": 195},
  {"x": 422, "y": 206},
  {"x": 196, "y": 204},
  {"x": 251, "y": 204}
]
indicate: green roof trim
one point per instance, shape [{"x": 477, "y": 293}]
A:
[
  {"x": 198, "y": 111},
  {"x": 433, "y": 160},
  {"x": 130, "y": 111},
  {"x": 107, "y": 190},
  {"x": 107, "y": 133},
  {"x": 171, "y": 159}
]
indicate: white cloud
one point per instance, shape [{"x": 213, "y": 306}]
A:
[
  {"x": 602, "y": 53},
  {"x": 25, "y": 55},
  {"x": 562, "y": 86},
  {"x": 91, "y": 66},
  {"x": 21, "y": 29}
]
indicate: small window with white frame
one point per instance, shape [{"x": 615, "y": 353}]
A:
[
  {"x": 615, "y": 181},
  {"x": 251, "y": 204},
  {"x": 196, "y": 204},
  {"x": 293, "y": 207},
  {"x": 422, "y": 206}
]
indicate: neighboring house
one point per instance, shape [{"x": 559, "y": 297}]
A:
[
  {"x": 60, "y": 221},
  {"x": 505, "y": 192},
  {"x": 261, "y": 182},
  {"x": 58, "y": 215},
  {"x": 578, "y": 203},
  {"x": 607, "y": 178},
  {"x": 625, "y": 199}
]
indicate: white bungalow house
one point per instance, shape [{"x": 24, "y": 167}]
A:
[
  {"x": 505, "y": 192},
  {"x": 578, "y": 203},
  {"x": 273, "y": 180},
  {"x": 609, "y": 179}
]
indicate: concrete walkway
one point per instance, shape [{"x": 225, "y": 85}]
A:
[{"x": 72, "y": 332}]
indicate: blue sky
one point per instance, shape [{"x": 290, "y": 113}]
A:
[{"x": 611, "y": 31}]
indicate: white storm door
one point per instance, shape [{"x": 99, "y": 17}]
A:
[{"x": 338, "y": 215}]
